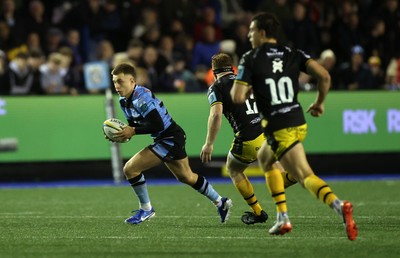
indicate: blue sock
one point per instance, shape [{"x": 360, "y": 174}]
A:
[
  {"x": 140, "y": 187},
  {"x": 206, "y": 189}
]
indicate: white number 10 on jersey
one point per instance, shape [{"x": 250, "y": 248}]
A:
[{"x": 281, "y": 92}]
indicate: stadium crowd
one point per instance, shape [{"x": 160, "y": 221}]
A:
[{"x": 44, "y": 44}]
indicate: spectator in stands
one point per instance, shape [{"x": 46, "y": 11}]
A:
[
  {"x": 324, "y": 18},
  {"x": 207, "y": 20},
  {"x": 35, "y": 60},
  {"x": 393, "y": 74},
  {"x": 8, "y": 12},
  {"x": 341, "y": 24},
  {"x": 166, "y": 48},
  {"x": 6, "y": 41},
  {"x": 152, "y": 36},
  {"x": 54, "y": 40},
  {"x": 105, "y": 52},
  {"x": 135, "y": 51},
  {"x": 36, "y": 21},
  {"x": 356, "y": 75},
  {"x": 178, "y": 10},
  {"x": 376, "y": 41},
  {"x": 33, "y": 42},
  {"x": 378, "y": 75},
  {"x": 176, "y": 29},
  {"x": 73, "y": 78},
  {"x": 155, "y": 65},
  {"x": 21, "y": 76},
  {"x": 203, "y": 50},
  {"x": 390, "y": 14},
  {"x": 347, "y": 32},
  {"x": 131, "y": 14},
  {"x": 73, "y": 42},
  {"x": 301, "y": 32},
  {"x": 87, "y": 18},
  {"x": 52, "y": 75},
  {"x": 58, "y": 11},
  {"x": 180, "y": 79},
  {"x": 149, "y": 20},
  {"x": 183, "y": 42},
  {"x": 241, "y": 39},
  {"x": 113, "y": 24},
  {"x": 231, "y": 14},
  {"x": 14, "y": 20},
  {"x": 327, "y": 59}
]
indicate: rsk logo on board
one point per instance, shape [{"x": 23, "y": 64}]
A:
[{"x": 361, "y": 121}]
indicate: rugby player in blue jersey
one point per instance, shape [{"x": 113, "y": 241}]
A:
[
  {"x": 248, "y": 136},
  {"x": 271, "y": 71},
  {"x": 146, "y": 114}
]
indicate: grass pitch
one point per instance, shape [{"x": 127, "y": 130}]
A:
[{"x": 89, "y": 222}]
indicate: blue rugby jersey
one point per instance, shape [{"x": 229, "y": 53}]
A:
[{"x": 140, "y": 104}]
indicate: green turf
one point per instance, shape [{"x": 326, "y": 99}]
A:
[{"x": 88, "y": 222}]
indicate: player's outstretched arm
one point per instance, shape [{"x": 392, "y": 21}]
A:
[
  {"x": 214, "y": 125},
  {"x": 317, "y": 71}
]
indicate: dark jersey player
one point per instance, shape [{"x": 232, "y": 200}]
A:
[
  {"x": 245, "y": 122},
  {"x": 147, "y": 114},
  {"x": 271, "y": 72}
]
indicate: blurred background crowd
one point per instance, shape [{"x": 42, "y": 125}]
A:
[{"x": 44, "y": 44}]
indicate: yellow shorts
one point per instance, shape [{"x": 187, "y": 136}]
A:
[
  {"x": 246, "y": 151},
  {"x": 283, "y": 140}
]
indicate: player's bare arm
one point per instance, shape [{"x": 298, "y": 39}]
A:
[
  {"x": 240, "y": 92},
  {"x": 323, "y": 77},
  {"x": 214, "y": 125}
]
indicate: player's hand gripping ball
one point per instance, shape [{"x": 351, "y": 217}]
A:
[{"x": 112, "y": 125}]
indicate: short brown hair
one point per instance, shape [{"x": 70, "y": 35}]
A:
[
  {"x": 221, "y": 60},
  {"x": 124, "y": 68}
]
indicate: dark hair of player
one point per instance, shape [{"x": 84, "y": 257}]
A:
[{"x": 269, "y": 23}]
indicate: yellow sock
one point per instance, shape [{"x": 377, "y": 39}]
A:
[
  {"x": 247, "y": 191},
  {"x": 288, "y": 180},
  {"x": 276, "y": 188},
  {"x": 320, "y": 189}
]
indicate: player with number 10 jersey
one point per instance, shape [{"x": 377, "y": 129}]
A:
[
  {"x": 272, "y": 70},
  {"x": 273, "y": 85}
]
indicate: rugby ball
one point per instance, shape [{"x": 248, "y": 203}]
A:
[{"x": 112, "y": 125}]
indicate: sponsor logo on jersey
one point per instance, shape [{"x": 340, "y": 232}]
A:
[
  {"x": 144, "y": 107},
  {"x": 212, "y": 98},
  {"x": 277, "y": 65},
  {"x": 273, "y": 52},
  {"x": 239, "y": 76}
]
